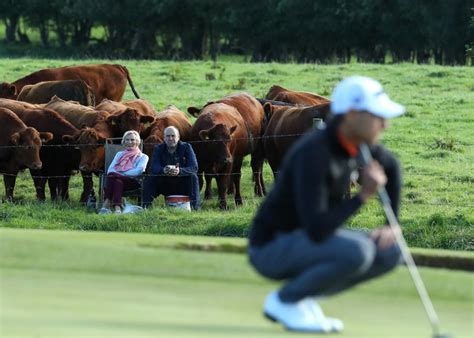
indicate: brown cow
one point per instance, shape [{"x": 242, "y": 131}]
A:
[
  {"x": 95, "y": 128},
  {"x": 107, "y": 81},
  {"x": 19, "y": 148},
  {"x": 59, "y": 160},
  {"x": 128, "y": 115},
  {"x": 43, "y": 92},
  {"x": 254, "y": 122},
  {"x": 220, "y": 140},
  {"x": 286, "y": 124},
  {"x": 171, "y": 116},
  {"x": 77, "y": 114},
  {"x": 278, "y": 93}
]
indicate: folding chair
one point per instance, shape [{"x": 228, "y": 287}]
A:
[{"x": 112, "y": 146}]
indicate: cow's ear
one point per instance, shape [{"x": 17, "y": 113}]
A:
[
  {"x": 194, "y": 111},
  {"x": 147, "y": 119},
  {"x": 232, "y": 129},
  {"x": 111, "y": 120},
  {"x": 68, "y": 139},
  {"x": 15, "y": 138},
  {"x": 12, "y": 89},
  {"x": 268, "y": 109},
  {"x": 204, "y": 134},
  {"x": 45, "y": 136}
]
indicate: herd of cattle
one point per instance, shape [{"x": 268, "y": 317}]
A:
[{"x": 75, "y": 109}]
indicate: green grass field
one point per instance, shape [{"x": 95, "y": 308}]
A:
[
  {"x": 433, "y": 140},
  {"x": 83, "y": 284}
]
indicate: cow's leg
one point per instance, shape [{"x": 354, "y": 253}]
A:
[
  {"x": 222, "y": 183},
  {"x": 9, "y": 180},
  {"x": 53, "y": 184},
  {"x": 87, "y": 186},
  {"x": 64, "y": 187},
  {"x": 208, "y": 191},
  {"x": 230, "y": 188},
  {"x": 275, "y": 165},
  {"x": 256, "y": 163},
  {"x": 200, "y": 179},
  {"x": 40, "y": 184},
  {"x": 235, "y": 181}
]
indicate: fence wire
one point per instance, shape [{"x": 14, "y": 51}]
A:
[{"x": 80, "y": 145}]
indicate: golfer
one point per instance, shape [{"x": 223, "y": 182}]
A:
[{"x": 298, "y": 233}]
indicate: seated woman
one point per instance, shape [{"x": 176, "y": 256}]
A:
[{"x": 123, "y": 170}]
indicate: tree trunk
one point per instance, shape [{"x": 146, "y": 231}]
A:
[
  {"x": 44, "y": 34},
  {"x": 438, "y": 55},
  {"x": 144, "y": 44},
  {"x": 213, "y": 45},
  {"x": 23, "y": 36},
  {"x": 82, "y": 33},
  {"x": 422, "y": 56},
  {"x": 61, "y": 33},
  {"x": 11, "y": 24}
]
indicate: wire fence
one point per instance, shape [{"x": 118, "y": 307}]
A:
[
  {"x": 404, "y": 141},
  {"x": 409, "y": 172}
]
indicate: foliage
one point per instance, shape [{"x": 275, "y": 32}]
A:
[{"x": 323, "y": 31}]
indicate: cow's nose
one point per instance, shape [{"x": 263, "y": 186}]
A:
[
  {"x": 228, "y": 160},
  {"x": 37, "y": 165}
]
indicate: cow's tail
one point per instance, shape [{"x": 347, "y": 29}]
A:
[{"x": 131, "y": 83}]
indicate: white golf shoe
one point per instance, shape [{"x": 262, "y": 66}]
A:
[
  {"x": 336, "y": 324},
  {"x": 295, "y": 316}
]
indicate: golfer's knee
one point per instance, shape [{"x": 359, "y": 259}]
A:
[
  {"x": 391, "y": 257},
  {"x": 360, "y": 255}
]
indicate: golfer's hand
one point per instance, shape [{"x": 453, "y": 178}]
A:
[
  {"x": 384, "y": 236},
  {"x": 373, "y": 177}
]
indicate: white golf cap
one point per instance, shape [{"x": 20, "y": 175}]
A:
[{"x": 364, "y": 94}]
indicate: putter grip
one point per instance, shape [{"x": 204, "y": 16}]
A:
[{"x": 367, "y": 158}]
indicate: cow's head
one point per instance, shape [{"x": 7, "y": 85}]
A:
[
  {"x": 8, "y": 91},
  {"x": 91, "y": 145},
  {"x": 218, "y": 141},
  {"x": 27, "y": 144},
  {"x": 128, "y": 119}
]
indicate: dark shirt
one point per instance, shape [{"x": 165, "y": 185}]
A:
[
  {"x": 183, "y": 156},
  {"x": 309, "y": 192}
]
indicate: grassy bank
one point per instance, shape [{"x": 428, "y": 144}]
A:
[
  {"x": 433, "y": 140},
  {"x": 69, "y": 283}
]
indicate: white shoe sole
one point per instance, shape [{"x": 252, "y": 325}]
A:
[{"x": 298, "y": 329}]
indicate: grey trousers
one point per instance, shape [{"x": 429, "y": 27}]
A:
[{"x": 322, "y": 268}]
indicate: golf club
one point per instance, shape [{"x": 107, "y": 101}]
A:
[{"x": 407, "y": 257}]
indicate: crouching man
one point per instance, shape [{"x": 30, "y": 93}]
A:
[{"x": 297, "y": 234}]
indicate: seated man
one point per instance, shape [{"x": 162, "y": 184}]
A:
[{"x": 173, "y": 171}]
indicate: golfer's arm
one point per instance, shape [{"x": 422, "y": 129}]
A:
[{"x": 312, "y": 203}]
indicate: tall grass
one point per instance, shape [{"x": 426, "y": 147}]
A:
[{"x": 434, "y": 141}]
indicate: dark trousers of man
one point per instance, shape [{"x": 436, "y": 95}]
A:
[
  {"x": 116, "y": 184},
  {"x": 322, "y": 268},
  {"x": 170, "y": 185}
]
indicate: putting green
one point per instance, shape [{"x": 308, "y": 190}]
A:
[{"x": 78, "y": 284}]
